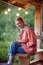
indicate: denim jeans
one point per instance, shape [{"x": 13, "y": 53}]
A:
[{"x": 16, "y": 48}]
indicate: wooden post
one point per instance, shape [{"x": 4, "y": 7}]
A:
[
  {"x": 38, "y": 28},
  {"x": 24, "y": 61}
]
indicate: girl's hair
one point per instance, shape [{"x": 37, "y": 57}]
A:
[{"x": 19, "y": 19}]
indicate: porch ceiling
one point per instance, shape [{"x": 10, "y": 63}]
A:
[{"x": 24, "y": 3}]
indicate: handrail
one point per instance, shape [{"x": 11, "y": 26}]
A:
[
  {"x": 35, "y": 62},
  {"x": 39, "y": 36}
]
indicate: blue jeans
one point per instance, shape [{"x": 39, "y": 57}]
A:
[{"x": 16, "y": 48}]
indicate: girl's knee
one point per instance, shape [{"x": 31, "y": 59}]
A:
[{"x": 12, "y": 44}]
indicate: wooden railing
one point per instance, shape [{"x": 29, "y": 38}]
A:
[
  {"x": 39, "y": 51},
  {"x": 39, "y": 36},
  {"x": 35, "y": 62}
]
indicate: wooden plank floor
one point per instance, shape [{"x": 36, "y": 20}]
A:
[
  {"x": 31, "y": 63},
  {"x": 4, "y": 64}
]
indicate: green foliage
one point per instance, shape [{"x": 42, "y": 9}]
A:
[
  {"x": 3, "y": 6},
  {"x": 4, "y": 48}
]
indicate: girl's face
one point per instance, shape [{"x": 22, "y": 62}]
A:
[{"x": 19, "y": 24}]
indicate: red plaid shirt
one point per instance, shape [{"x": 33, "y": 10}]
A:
[{"x": 28, "y": 36}]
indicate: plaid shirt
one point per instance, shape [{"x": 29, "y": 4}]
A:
[{"x": 29, "y": 37}]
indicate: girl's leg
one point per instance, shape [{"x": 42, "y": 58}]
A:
[
  {"x": 20, "y": 50},
  {"x": 12, "y": 52}
]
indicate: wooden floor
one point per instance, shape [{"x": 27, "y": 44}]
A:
[
  {"x": 31, "y": 63},
  {"x": 4, "y": 64}
]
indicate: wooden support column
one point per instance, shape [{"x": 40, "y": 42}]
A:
[
  {"x": 38, "y": 28},
  {"x": 38, "y": 24},
  {"x": 24, "y": 61}
]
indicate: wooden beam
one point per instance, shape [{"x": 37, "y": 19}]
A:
[
  {"x": 11, "y": 1},
  {"x": 36, "y": 2},
  {"x": 34, "y": 62},
  {"x": 19, "y": 5},
  {"x": 38, "y": 28},
  {"x": 18, "y": 1},
  {"x": 24, "y": 3},
  {"x": 39, "y": 36},
  {"x": 28, "y": 5},
  {"x": 38, "y": 23}
]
